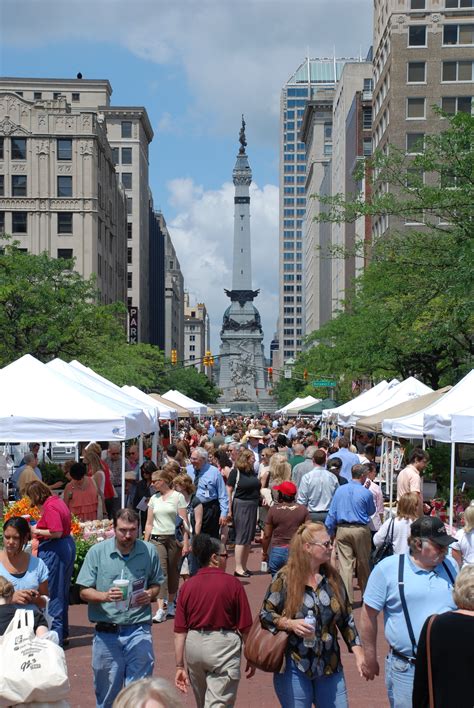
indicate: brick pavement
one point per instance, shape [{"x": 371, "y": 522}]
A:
[{"x": 253, "y": 692}]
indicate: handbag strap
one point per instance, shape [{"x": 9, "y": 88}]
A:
[
  {"x": 428, "y": 657},
  {"x": 448, "y": 572},
  {"x": 401, "y": 590},
  {"x": 390, "y": 529}
]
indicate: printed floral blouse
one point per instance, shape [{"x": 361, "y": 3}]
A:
[{"x": 323, "y": 659}]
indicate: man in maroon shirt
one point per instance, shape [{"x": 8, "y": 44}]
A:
[{"x": 212, "y": 618}]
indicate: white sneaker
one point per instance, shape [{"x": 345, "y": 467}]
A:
[
  {"x": 171, "y": 610},
  {"x": 160, "y": 616}
]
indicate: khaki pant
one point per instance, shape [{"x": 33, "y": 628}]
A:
[
  {"x": 213, "y": 661},
  {"x": 353, "y": 549},
  {"x": 169, "y": 554}
]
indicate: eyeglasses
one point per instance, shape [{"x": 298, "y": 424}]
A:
[{"x": 326, "y": 544}]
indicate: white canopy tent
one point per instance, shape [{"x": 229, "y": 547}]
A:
[
  {"x": 462, "y": 427},
  {"x": 164, "y": 411},
  {"x": 413, "y": 426},
  {"x": 38, "y": 404},
  {"x": 407, "y": 390},
  {"x": 193, "y": 406},
  {"x": 88, "y": 384},
  {"x": 331, "y": 414},
  {"x": 298, "y": 403}
]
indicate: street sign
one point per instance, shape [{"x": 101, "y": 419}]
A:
[{"x": 323, "y": 383}]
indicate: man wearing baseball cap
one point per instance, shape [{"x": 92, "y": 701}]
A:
[
  {"x": 256, "y": 445},
  {"x": 408, "y": 588}
]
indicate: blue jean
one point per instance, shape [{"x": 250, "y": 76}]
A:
[
  {"x": 399, "y": 675},
  {"x": 277, "y": 558},
  {"x": 59, "y": 555},
  {"x": 295, "y": 690},
  {"x": 118, "y": 659}
]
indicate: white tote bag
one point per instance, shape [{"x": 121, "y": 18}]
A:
[{"x": 31, "y": 669}]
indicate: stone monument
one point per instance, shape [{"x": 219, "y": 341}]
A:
[{"x": 242, "y": 374}]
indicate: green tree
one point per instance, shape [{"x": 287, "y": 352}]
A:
[
  {"x": 48, "y": 310},
  {"x": 191, "y": 382},
  {"x": 410, "y": 312}
]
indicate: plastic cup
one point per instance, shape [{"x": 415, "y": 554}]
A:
[
  {"x": 264, "y": 567},
  {"x": 123, "y": 584}
]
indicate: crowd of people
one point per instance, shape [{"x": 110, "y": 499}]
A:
[{"x": 313, "y": 506}]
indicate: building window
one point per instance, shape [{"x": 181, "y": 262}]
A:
[
  {"x": 65, "y": 253},
  {"x": 447, "y": 180},
  {"x": 18, "y": 185},
  {"x": 56, "y": 95},
  {"x": 456, "y": 104},
  {"x": 2, "y": 185},
  {"x": 126, "y": 129},
  {"x": 417, "y": 4},
  {"x": 416, "y": 72},
  {"x": 455, "y": 4},
  {"x": 415, "y": 143},
  {"x": 127, "y": 180},
  {"x": 129, "y": 280},
  {"x": 64, "y": 148},
  {"x": 414, "y": 178},
  {"x": 192, "y": 347},
  {"x": 367, "y": 147},
  {"x": 129, "y": 256},
  {"x": 126, "y": 156},
  {"x": 192, "y": 337},
  {"x": 2, "y": 222},
  {"x": 64, "y": 222},
  {"x": 458, "y": 34},
  {"x": 64, "y": 186},
  {"x": 37, "y": 95},
  {"x": 415, "y": 108},
  {"x": 129, "y": 205},
  {"x": 368, "y": 84},
  {"x": 19, "y": 222},
  {"x": 417, "y": 36},
  {"x": 75, "y": 97},
  {"x": 116, "y": 156},
  {"x": 1, "y": 148},
  {"x": 18, "y": 148},
  {"x": 129, "y": 229},
  {"x": 457, "y": 71},
  {"x": 366, "y": 118}
]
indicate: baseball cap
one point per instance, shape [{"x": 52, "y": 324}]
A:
[
  {"x": 287, "y": 488},
  {"x": 432, "y": 528}
]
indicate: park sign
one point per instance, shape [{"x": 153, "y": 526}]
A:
[{"x": 323, "y": 383}]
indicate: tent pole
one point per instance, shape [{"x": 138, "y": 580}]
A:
[
  {"x": 350, "y": 435},
  {"x": 123, "y": 475},
  {"x": 140, "y": 449},
  {"x": 451, "y": 484},
  {"x": 423, "y": 443},
  {"x": 391, "y": 477},
  {"x": 382, "y": 466},
  {"x": 76, "y": 453},
  {"x": 154, "y": 446}
]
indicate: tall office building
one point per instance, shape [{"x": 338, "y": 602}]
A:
[
  {"x": 196, "y": 334},
  {"x": 174, "y": 296},
  {"x": 58, "y": 188},
  {"x": 311, "y": 81},
  {"x": 423, "y": 56},
  {"x": 128, "y": 131}
]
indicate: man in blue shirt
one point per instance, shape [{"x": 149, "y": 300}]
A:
[
  {"x": 348, "y": 458},
  {"x": 30, "y": 460},
  {"x": 426, "y": 579},
  {"x": 210, "y": 490},
  {"x": 351, "y": 508},
  {"x": 122, "y": 648}
]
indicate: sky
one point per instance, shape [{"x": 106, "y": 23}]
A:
[{"x": 196, "y": 65}]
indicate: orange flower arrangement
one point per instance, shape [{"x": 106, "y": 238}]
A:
[
  {"x": 22, "y": 507},
  {"x": 76, "y": 529}
]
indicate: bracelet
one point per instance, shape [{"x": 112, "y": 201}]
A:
[{"x": 180, "y": 666}]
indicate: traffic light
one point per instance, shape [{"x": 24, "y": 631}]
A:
[
  {"x": 305, "y": 374},
  {"x": 270, "y": 374},
  {"x": 211, "y": 360},
  {"x": 207, "y": 358},
  {"x": 174, "y": 356}
]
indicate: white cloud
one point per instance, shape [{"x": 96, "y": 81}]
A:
[
  {"x": 202, "y": 233},
  {"x": 236, "y": 55}
]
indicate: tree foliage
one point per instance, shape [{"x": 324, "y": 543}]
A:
[
  {"x": 191, "y": 382},
  {"x": 410, "y": 312}
]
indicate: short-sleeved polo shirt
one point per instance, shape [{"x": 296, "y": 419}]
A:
[
  {"x": 104, "y": 563},
  {"x": 427, "y": 592}
]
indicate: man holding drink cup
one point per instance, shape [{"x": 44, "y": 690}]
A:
[{"x": 119, "y": 580}]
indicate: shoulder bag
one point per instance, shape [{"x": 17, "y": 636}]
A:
[
  {"x": 428, "y": 660},
  {"x": 386, "y": 549},
  {"x": 263, "y": 649}
]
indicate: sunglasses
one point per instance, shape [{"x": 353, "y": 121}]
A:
[{"x": 326, "y": 544}]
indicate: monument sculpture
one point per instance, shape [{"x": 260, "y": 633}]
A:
[{"x": 242, "y": 374}]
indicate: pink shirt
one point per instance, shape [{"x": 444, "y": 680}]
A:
[
  {"x": 55, "y": 516},
  {"x": 375, "y": 520},
  {"x": 408, "y": 480}
]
